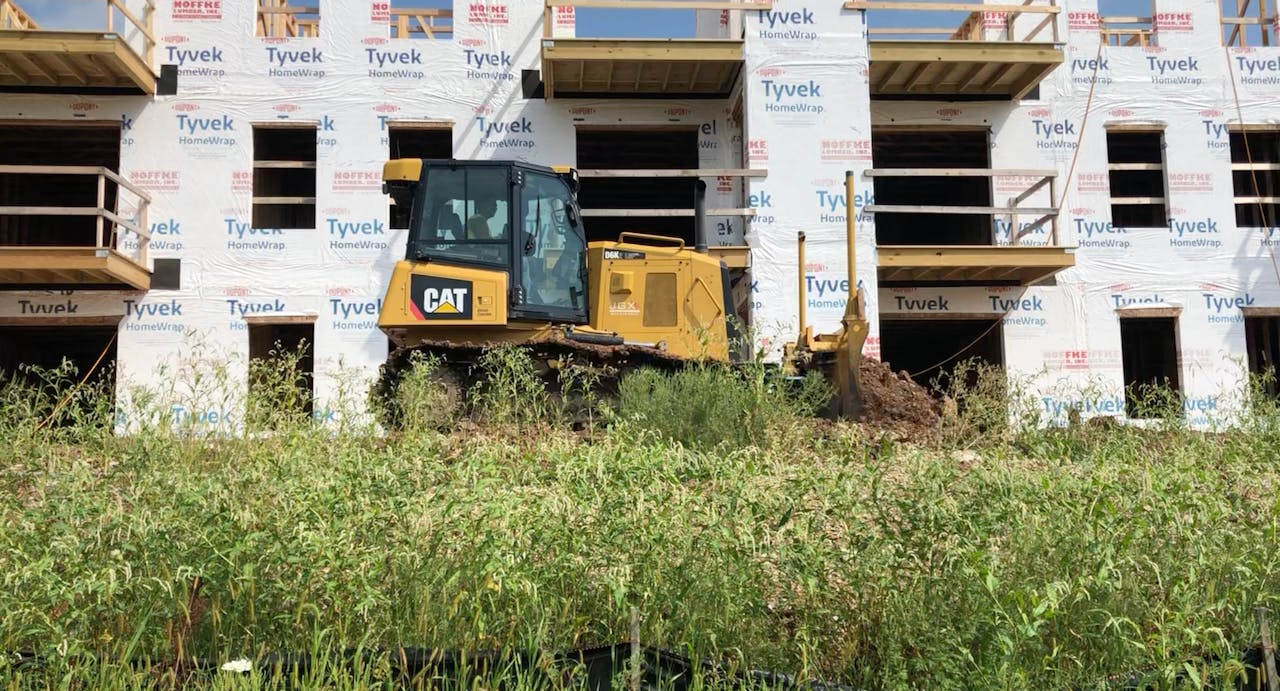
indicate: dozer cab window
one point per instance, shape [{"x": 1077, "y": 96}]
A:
[
  {"x": 465, "y": 217},
  {"x": 552, "y": 248}
]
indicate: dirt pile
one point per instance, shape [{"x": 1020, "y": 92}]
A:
[{"x": 893, "y": 402}]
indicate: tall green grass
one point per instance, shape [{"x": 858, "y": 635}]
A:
[{"x": 999, "y": 557}]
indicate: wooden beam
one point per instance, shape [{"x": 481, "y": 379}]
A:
[
  {"x": 959, "y": 172},
  {"x": 663, "y": 213},
  {"x": 981, "y": 210},
  {"x": 672, "y": 172},
  {"x": 667, "y": 4},
  {"x": 682, "y": 50}
]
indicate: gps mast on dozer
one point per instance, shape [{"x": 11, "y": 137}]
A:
[{"x": 497, "y": 254}]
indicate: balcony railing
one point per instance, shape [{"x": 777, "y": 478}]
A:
[
  {"x": 582, "y": 67},
  {"x": 960, "y": 49},
  {"x": 95, "y": 239},
  {"x": 1241, "y": 31},
  {"x": 1013, "y": 23},
  {"x": 421, "y": 23},
  {"x": 119, "y": 54},
  {"x": 279, "y": 19},
  {"x": 1023, "y": 245},
  {"x": 1126, "y": 31}
]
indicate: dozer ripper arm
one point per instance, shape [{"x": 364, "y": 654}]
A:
[{"x": 838, "y": 355}]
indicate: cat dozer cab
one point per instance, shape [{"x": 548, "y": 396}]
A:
[{"x": 497, "y": 254}]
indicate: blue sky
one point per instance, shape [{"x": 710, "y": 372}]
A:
[{"x": 90, "y": 14}]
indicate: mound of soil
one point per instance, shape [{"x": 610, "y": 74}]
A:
[{"x": 893, "y": 402}]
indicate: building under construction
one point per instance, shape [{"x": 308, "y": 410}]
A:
[{"x": 1084, "y": 195}]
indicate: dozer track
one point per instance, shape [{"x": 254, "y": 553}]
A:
[{"x": 460, "y": 366}]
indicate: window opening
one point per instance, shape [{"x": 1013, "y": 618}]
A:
[
  {"x": 284, "y": 177},
  {"x": 1256, "y": 207},
  {"x": 1135, "y": 167},
  {"x": 282, "y": 367},
  {"x": 1149, "y": 350},
  {"x": 1262, "y": 340}
]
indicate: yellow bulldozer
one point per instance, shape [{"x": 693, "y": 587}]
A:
[{"x": 497, "y": 254}]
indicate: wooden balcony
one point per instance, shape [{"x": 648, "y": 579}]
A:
[
  {"x": 114, "y": 61},
  {"x": 642, "y": 67},
  {"x": 279, "y": 19},
  {"x": 984, "y": 52},
  {"x": 1126, "y": 31},
  {"x": 86, "y": 245},
  {"x": 421, "y": 23},
  {"x": 1018, "y": 253}
]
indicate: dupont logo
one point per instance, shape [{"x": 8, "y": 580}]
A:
[
  {"x": 948, "y": 114},
  {"x": 488, "y": 13},
  {"x": 185, "y": 107},
  {"x": 471, "y": 42},
  {"x": 770, "y": 72},
  {"x": 677, "y": 111},
  {"x": 582, "y": 110},
  {"x": 385, "y": 63},
  {"x": 287, "y": 108},
  {"x": 1121, "y": 113},
  {"x": 789, "y": 25},
  {"x": 376, "y": 41},
  {"x": 83, "y": 106},
  {"x": 386, "y": 108}
]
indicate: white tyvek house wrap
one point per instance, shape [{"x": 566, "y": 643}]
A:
[
  {"x": 192, "y": 152},
  {"x": 1064, "y": 341},
  {"x": 807, "y": 121}
]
